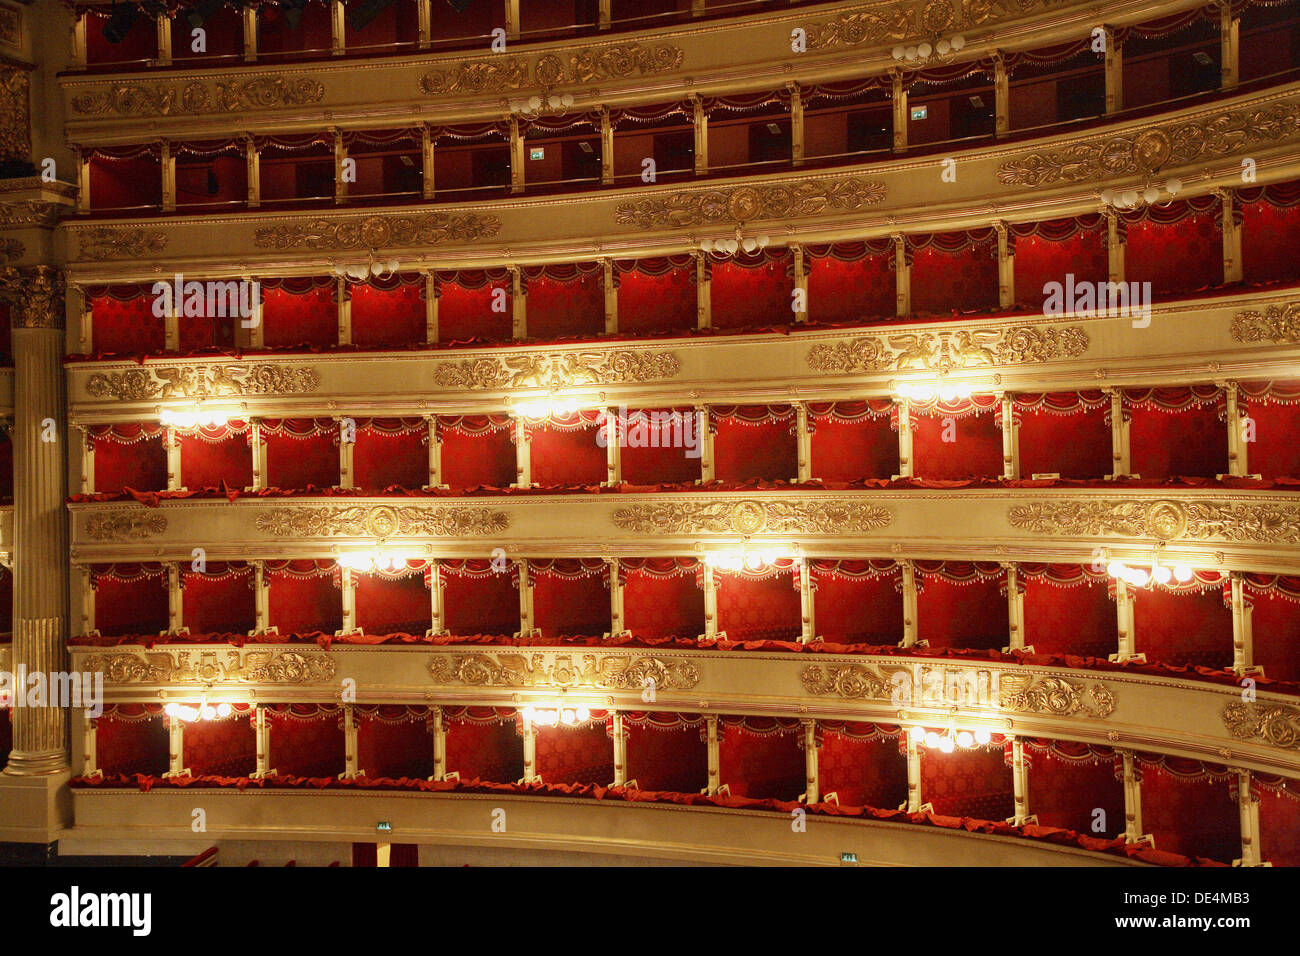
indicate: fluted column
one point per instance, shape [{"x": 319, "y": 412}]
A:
[{"x": 40, "y": 612}]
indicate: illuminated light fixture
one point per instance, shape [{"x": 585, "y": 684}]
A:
[
  {"x": 202, "y": 711},
  {"x": 365, "y": 561},
  {"x": 926, "y": 49},
  {"x": 1183, "y": 573},
  {"x": 210, "y": 418},
  {"x": 742, "y": 560},
  {"x": 373, "y": 267},
  {"x": 953, "y": 739},
  {"x": 1148, "y": 195},
  {"x": 557, "y": 715},
  {"x": 1159, "y": 573},
  {"x": 730, "y": 246},
  {"x": 543, "y": 408},
  {"x": 537, "y": 104},
  {"x": 943, "y": 391}
]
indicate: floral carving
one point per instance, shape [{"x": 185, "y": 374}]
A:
[
  {"x": 1280, "y": 325},
  {"x": 853, "y": 681},
  {"x": 165, "y": 99},
  {"x": 748, "y": 203},
  {"x": 753, "y": 517},
  {"x": 1277, "y": 725},
  {"x": 498, "y": 75},
  {"x": 1163, "y": 520},
  {"x": 949, "y": 350},
  {"x": 124, "y": 525},
  {"x": 201, "y": 381},
  {"x": 1053, "y": 695},
  {"x": 106, "y": 242},
  {"x": 249, "y": 667},
  {"x": 35, "y": 296},
  {"x": 381, "y": 521},
  {"x": 558, "y": 370},
  {"x": 378, "y": 232},
  {"x": 604, "y": 672}
]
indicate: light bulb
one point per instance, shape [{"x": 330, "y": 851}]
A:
[
  {"x": 706, "y": 245},
  {"x": 958, "y": 42},
  {"x": 932, "y": 740},
  {"x": 171, "y": 710},
  {"x": 947, "y": 393},
  {"x": 946, "y": 745},
  {"x": 763, "y": 241},
  {"x": 392, "y": 265},
  {"x": 1108, "y": 196},
  {"x": 749, "y": 245},
  {"x": 567, "y": 717},
  {"x": 897, "y": 52},
  {"x": 1174, "y": 185},
  {"x": 944, "y": 47},
  {"x": 223, "y": 710},
  {"x": 534, "y": 103},
  {"x": 964, "y": 739},
  {"x": 530, "y": 713},
  {"x": 566, "y": 100},
  {"x": 910, "y": 53},
  {"x": 982, "y": 736},
  {"x": 732, "y": 247},
  {"x": 917, "y": 734},
  {"x": 924, "y": 50},
  {"x": 1130, "y": 197},
  {"x": 923, "y": 393},
  {"x": 1139, "y": 578},
  {"x": 1183, "y": 573},
  {"x": 753, "y": 562},
  {"x": 584, "y": 715},
  {"x": 1162, "y": 574},
  {"x": 1115, "y": 569},
  {"x": 1151, "y": 194}
]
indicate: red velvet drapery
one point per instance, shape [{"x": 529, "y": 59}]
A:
[
  {"x": 1178, "y": 249},
  {"x": 1272, "y": 421},
  {"x": 304, "y": 596},
  {"x": 1047, "y": 252},
  {"x": 761, "y": 757},
  {"x": 565, "y": 300},
  {"x": 1176, "y": 432},
  {"x": 1069, "y": 610},
  {"x": 307, "y": 740},
  {"x": 749, "y": 291},
  {"x": 661, "y": 597},
  {"x": 656, "y": 295},
  {"x": 1183, "y": 626},
  {"x": 123, "y": 321},
  {"x": 853, "y": 440},
  {"x": 475, "y": 306},
  {"x": 299, "y": 312},
  {"x": 957, "y": 439},
  {"x": 962, "y": 605},
  {"x": 1279, "y": 822},
  {"x": 954, "y": 272},
  {"x": 128, "y": 456},
  {"x": 666, "y": 752},
  {"x": 390, "y": 452},
  {"x": 968, "y": 783},
  {"x": 1064, "y": 433},
  {"x": 580, "y": 754},
  {"x": 660, "y": 445},
  {"x": 477, "y": 450},
  {"x": 218, "y": 599},
  {"x": 759, "y": 607},
  {"x": 1275, "y": 624},
  {"x": 393, "y": 604},
  {"x": 483, "y": 744},
  {"x": 1270, "y": 229},
  {"x": 1069, "y": 782},
  {"x": 565, "y": 450},
  {"x": 213, "y": 455},
  {"x": 388, "y": 313},
  {"x": 133, "y": 183},
  {"x": 858, "y": 602},
  {"x": 754, "y": 441},
  {"x": 851, "y": 281},
  {"x": 301, "y": 452},
  {"x": 132, "y": 738},
  {"x": 570, "y": 597},
  {"x": 130, "y": 598},
  {"x": 394, "y": 741},
  {"x": 478, "y": 599},
  {"x": 861, "y": 765},
  {"x": 222, "y": 747},
  {"x": 1176, "y": 790}
]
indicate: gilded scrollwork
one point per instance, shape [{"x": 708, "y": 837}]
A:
[
  {"x": 1163, "y": 520},
  {"x": 382, "y": 521},
  {"x": 197, "y": 97},
  {"x": 753, "y": 517},
  {"x": 1054, "y": 696},
  {"x": 201, "y": 381},
  {"x": 749, "y": 203},
  {"x": 560, "y": 370},
  {"x": 1277, "y": 324},
  {"x": 35, "y": 296},
  {"x": 949, "y": 350},
  {"x": 500, "y": 74},
  {"x": 851, "y": 681},
  {"x": 378, "y": 232},
  {"x": 15, "y": 114},
  {"x": 124, "y": 525},
  {"x": 603, "y": 672},
  {"x": 1277, "y": 725},
  {"x": 194, "y": 666},
  {"x": 108, "y": 242}
]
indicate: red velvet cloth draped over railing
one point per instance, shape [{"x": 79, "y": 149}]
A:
[
  {"x": 218, "y": 599},
  {"x": 1069, "y": 609},
  {"x": 660, "y": 445},
  {"x": 666, "y": 751},
  {"x": 389, "y": 311},
  {"x": 475, "y": 305},
  {"x": 957, "y": 439},
  {"x": 661, "y": 598},
  {"x": 761, "y": 605},
  {"x": 1070, "y": 782},
  {"x": 304, "y": 596},
  {"x": 130, "y": 598},
  {"x": 858, "y": 602},
  {"x": 583, "y": 753},
  {"x": 962, "y": 604},
  {"x": 861, "y": 764},
  {"x": 754, "y": 441},
  {"x": 299, "y": 310},
  {"x": 301, "y": 452},
  {"x": 751, "y": 290},
  {"x": 394, "y": 740},
  {"x": 1177, "y": 431},
  {"x": 477, "y": 450},
  {"x": 128, "y": 456},
  {"x": 853, "y": 440},
  {"x": 1176, "y": 790},
  {"x": 223, "y": 747},
  {"x": 390, "y": 452},
  {"x": 307, "y": 740},
  {"x": 1178, "y": 248},
  {"x": 1275, "y": 623},
  {"x": 1270, "y": 217},
  {"x": 851, "y": 281},
  {"x": 953, "y": 272},
  {"x": 123, "y": 320},
  {"x": 969, "y": 783},
  {"x": 565, "y": 299},
  {"x": 1185, "y": 624},
  {"x": 1279, "y": 819},
  {"x": 483, "y": 743},
  {"x": 132, "y": 738},
  {"x": 565, "y": 450},
  {"x": 394, "y": 602},
  {"x": 1065, "y": 433},
  {"x": 1272, "y": 410},
  {"x": 216, "y": 454},
  {"x": 1049, "y": 251},
  {"x": 762, "y": 757},
  {"x": 570, "y": 597},
  {"x": 479, "y": 599},
  {"x": 656, "y": 295}
]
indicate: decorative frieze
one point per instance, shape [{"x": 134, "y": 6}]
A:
[
  {"x": 604, "y": 672},
  {"x": 201, "y": 381},
  {"x": 558, "y": 370},
  {"x": 15, "y": 114},
  {"x": 879, "y": 24},
  {"x": 382, "y": 521},
  {"x": 378, "y": 232},
  {"x": 749, "y": 203},
  {"x": 1277, "y": 324},
  {"x": 35, "y": 296},
  {"x": 1054, "y": 696},
  {"x": 1277, "y": 725},
  {"x": 107, "y": 242},
  {"x": 501, "y": 75},
  {"x": 851, "y": 681},
  {"x": 949, "y": 350},
  {"x": 753, "y": 517},
  {"x": 11, "y": 250},
  {"x": 124, "y": 525},
  {"x": 207, "y": 667},
  {"x": 198, "y": 97},
  {"x": 1268, "y": 523}
]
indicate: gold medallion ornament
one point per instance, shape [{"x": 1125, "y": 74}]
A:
[
  {"x": 378, "y": 232},
  {"x": 201, "y": 381},
  {"x": 106, "y": 242},
  {"x": 1277, "y": 324},
  {"x": 749, "y": 203},
  {"x": 207, "y": 667},
  {"x": 606, "y": 672},
  {"x": 949, "y": 350},
  {"x": 196, "y": 97},
  {"x": 383, "y": 521},
  {"x": 124, "y": 525},
  {"x": 558, "y": 370},
  {"x": 1272, "y": 522},
  {"x": 753, "y": 517},
  {"x": 499, "y": 74},
  {"x": 1277, "y": 725}
]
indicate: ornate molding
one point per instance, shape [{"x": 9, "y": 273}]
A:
[
  {"x": 1054, "y": 696},
  {"x": 949, "y": 350},
  {"x": 35, "y": 295},
  {"x": 378, "y": 232},
  {"x": 29, "y": 212},
  {"x": 201, "y": 381},
  {"x": 501, "y": 74},
  {"x": 749, "y": 203},
  {"x": 124, "y": 525},
  {"x": 382, "y": 521},
  {"x": 106, "y": 242},
  {"x": 247, "y": 667},
  {"x": 851, "y": 681},
  {"x": 1148, "y": 150},
  {"x": 196, "y": 97},
  {"x": 603, "y": 672},
  {"x": 11, "y": 250},
  {"x": 1277, "y": 324},
  {"x": 558, "y": 370},
  {"x": 1269, "y": 523},
  {"x": 917, "y": 18},
  {"x": 15, "y": 114},
  {"x": 753, "y": 517},
  {"x": 1277, "y": 725}
]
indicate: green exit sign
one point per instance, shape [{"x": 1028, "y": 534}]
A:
[
  {"x": 383, "y": 826},
  {"x": 848, "y": 858},
  {"x": 920, "y": 112},
  {"x": 537, "y": 152}
]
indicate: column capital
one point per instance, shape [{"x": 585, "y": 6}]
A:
[{"x": 35, "y": 294}]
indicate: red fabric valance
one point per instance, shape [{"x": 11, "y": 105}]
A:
[
  {"x": 127, "y": 434},
  {"x": 1173, "y": 399},
  {"x": 300, "y": 428},
  {"x": 1061, "y": 575},
  {"x": 569, "y": 569}
]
